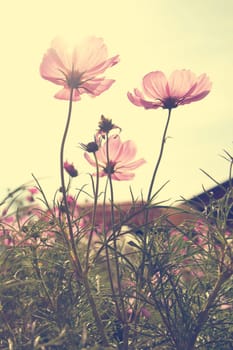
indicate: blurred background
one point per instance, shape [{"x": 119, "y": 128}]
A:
[{"x": 149, "y": 35}]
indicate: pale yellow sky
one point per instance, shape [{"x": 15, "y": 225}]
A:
[{"x": 149, "y": 35}]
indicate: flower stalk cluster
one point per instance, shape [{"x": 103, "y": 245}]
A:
[
  {"x": 114, "y": 277},
  {"x": 110, "y": 156}
]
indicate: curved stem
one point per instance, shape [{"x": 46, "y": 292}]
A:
[
  {"x": 73, "y": 252},
  {"x": 149, "y": 197},
  {"x": 80, "y": 275},
  {"x": 159, "y": 158},
  {"x": 107, "y": 252},
  {"x": 96, "y": 193},
  {"x": 116, "y": 258},
  {"x": 204, "y": 314},
  {"x": 41, "y": 279}
]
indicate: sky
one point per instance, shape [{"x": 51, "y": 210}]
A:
[{"x": 148, "y": 35}]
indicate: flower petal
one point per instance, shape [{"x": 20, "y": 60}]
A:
[
  {"x": 89, "y": 53},
  {"x": 151, "y": 105},
  {"x": 55, "y": 63},
  {"x": 89, "y": 159},
  {"x": 52, "y": 68},
  {"x": 132, "y": 165},
  {"x": 202, "y": 88},
  {"x": 136, "y": 98},
  {"x": 121, "y": 156},
  {"x": 95, "y": 87},
  {"x": 120, "y": 176},
  {"x": 128, "y": 152},
  {"x": 182, "y": 87},
  {"x": 181, "y": 82},
  {"x": 78, "y": 69},
  {"x": 99, "y": 69},
  {"x": 155, "y": 85},
  {"x": 64, "y": 94},
  {"x": 198, "y": 97}
]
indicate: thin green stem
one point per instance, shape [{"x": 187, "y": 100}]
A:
[
  {"x": 74, "y": 256},
  {"x": 109, "y": 269},
  {"x": 96, "y": 193},
  {"x": 116, "y": 257},
  {"x": 204, "y": 314},
  {"x": 106, "y": 250},
  {"x": 98, "y": 320},
  {"x": 149, "y": 196},
  {"x": 80, "y": 275},
  {"x": 39, "y": 275},
  {"x": 159, "y": 158}
]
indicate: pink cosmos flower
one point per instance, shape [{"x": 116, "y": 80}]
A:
[
  {"x": 79, "y": 69},
  {"x": 181, "y": 88},
  {"x": 121, "y": 155},
  {"x": 33, "y": 190}
]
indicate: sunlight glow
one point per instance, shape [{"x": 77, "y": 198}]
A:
[{"x": 148, "y": 35}]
